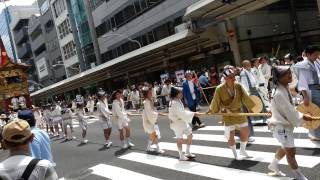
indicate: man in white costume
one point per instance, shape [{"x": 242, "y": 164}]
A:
[
  {"x": 261, "y": 81},
  {"x": 283, "y": 121},
  {"x": 120, "y": 117},
  {"x": 15, "y": 103},
  {"x": 83, "y": 120},
  {"x": 57, "y": 119},
  {"x": 265, "y": 69},
  {"x": 104, "y": 116},
  {"x": 180, "y": 120},
  {"x": 90, "y": 105},
  {"x": 150, "y": 116}
]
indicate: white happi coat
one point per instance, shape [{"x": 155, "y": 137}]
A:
[
  {"x": 179, "y": 117},
  {"x": 283, "y": 112},
  {"x": 266, "y": 71},
  {"x": 15, "y": 103},
  {"x": 103, "y": 109},
  {"x": 149, "y": 116},
  {"x": 244, "y": 81},
  {"x": 118, "y": 111},
  {"x": 260, "y": 79},
  {"x": 56, "y": 114},
  {"x": 90, "y": 105}
]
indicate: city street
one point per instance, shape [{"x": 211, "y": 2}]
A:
[{"x": 214, "y": 158}]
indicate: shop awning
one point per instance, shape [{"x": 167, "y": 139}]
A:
[
  {"x": 101, "y": 72},
  {"x": 218, "y": 11}
]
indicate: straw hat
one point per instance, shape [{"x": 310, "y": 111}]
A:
[
  {"x": 3, "y": 116},
  {"x": 258, "y": 104},
  {"x": 312, "y": 110}
]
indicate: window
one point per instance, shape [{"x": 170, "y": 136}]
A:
[
  {"x": 96, "y": 3},
  {"x": 59, "y": 6},
  {"x": 133, "y": 10},
  {"x": 64, "y": 28},
  {"x": 44, "y": 7},
  {"x": 69, "y": 50}
]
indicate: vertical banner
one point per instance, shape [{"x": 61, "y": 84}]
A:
[
  {"x": 180, "y": 76},
  {"x": 4, "y": 56},
  {"x": 164, "y": 77}
]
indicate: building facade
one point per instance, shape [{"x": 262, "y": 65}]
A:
[
  {"x": 5, "y": 33},
  {"x": 70, "y": 53},
  {"x": 287, "y": 27},
  {"x": 52, "y": 54},
  {"x": 19, "y": 28}
]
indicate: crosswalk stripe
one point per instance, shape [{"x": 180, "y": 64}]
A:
[
  {"x": 256, "y": 129},
  {"x": 210, "y": 171},
  {"x": 304, "y": 143},
  {"x": 113, "y": 172},
  {"x": 304, "y": 161}
]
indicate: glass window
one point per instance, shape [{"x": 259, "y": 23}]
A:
[
  {"x": 137, "y": 6},
  {"x": 129, "y": 12},
  {"x": 119, "y": 18},
  {"x": 143, "y": 4},
  {"x": 44, "y": 7}
]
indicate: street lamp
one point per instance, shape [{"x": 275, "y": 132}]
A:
[{"x": 123, "y": 36}]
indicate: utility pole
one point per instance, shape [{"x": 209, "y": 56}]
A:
[{"x": 295, "y": 27}]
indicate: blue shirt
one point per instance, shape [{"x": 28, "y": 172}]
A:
[
  {"x": 40, "y": 147},
  {"x": 203, "y": 80}
]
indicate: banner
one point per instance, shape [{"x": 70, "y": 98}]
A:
[
  {"x": 4, "y": 56},
  {"x": 180, "y": 76},
  {"x": 164, "y": 77}
]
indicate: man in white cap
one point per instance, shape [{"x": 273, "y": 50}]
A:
[
  {"x": 104, "y": 116},
  {"x": 17, "y": 136}
]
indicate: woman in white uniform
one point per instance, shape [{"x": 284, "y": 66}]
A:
[
  {"x": 83, "y": 120},
  {"x": 120, "y": 117},
  {"x": 104, "y": 116},
  {"x": 283, "y": 121},
  {"x": 150, "y": 116},
  {"x": 180, "y": 120}
]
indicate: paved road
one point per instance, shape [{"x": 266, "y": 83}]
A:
[{"x": 213, "y": 161}]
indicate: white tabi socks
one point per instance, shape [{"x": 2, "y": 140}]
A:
[
  {"x": 129, "y": 144},
  {"x": 182, "y": 157},
  {"x": 299, "y": 175},
  {"x": 188, "y": 153},
  {"x": 149, "y": 146},
  {"x": 273, "y": 166},
  {"x": 234, "y": 151},
  {"x": 243, "y": 145}
]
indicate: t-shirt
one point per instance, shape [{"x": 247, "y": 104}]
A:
[
  {"x": 13, "y": 167},
  {"x": 40, "y": 147}
]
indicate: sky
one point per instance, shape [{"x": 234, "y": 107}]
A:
[{"x": 15, "y": 2}]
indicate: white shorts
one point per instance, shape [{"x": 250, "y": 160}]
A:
[
  {"x": 67, "y": 122},
  {"x": 56, "y": 121},
  {"x": 284, "y": 136},
  {"x": 106, "y": 124},
  {"x": 156, "y": 130},
  {"x": 228, "y": 129},
  {"x": 179, "y": 132},
  {"x": 123, "y": 123},
  {"x": 83, "y": 124}
]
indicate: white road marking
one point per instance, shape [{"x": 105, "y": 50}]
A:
[
  {"x": 210, "y": 171},
  {"x": 303, "y": 143},
  {"x": 256, "y": 129},
  {"x": 304, "y": 161},
  {"x": 116, "y": 173}
]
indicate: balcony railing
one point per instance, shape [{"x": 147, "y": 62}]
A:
[{"x": 24, "y": 51}]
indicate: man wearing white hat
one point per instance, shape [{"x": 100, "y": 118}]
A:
[{"x": 104, "y": 116}]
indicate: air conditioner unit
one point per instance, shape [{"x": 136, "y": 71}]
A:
[{"x": 180, "y": 28}]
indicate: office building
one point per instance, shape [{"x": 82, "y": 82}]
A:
[{"x": 5, "y": 33}]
